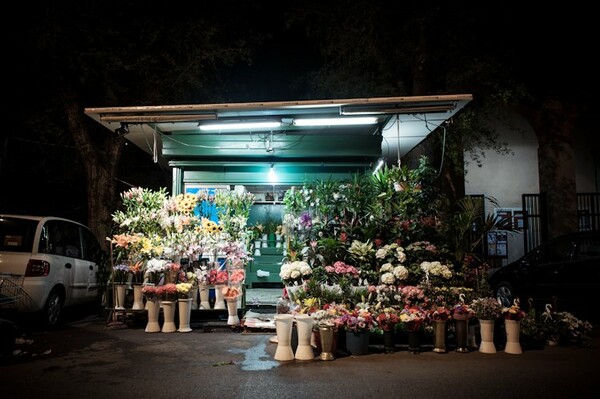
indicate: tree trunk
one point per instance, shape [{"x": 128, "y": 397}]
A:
[
  {"x": 100, "y": 159},
  {"x": 554, "y": 124}
]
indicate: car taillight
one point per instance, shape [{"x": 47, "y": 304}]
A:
[{"x": 37, "y": 268}]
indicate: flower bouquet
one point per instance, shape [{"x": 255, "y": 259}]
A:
[
  {"x": 441, "y": 313},
  {"x": 486, "y": 308},
  {"x": 167, "y": 292},
  {"x": 137, "y": 271},
  {"x": 237, "y": 276},
  {"x": 294, "y": 273},
  {"x": 387, "y": 319},
  {"x": 217, "y": 277},
  {"x": 462, "y": 311},
  {"x": 413, "y": 295},
  {"x": 231, "y": 293},
  {"x": 120, "y": 273},
  {"x": 341, "y": 271},
  {"x": 513, "y": 312},
  {"x": 359, "y": 319},
  {"x": 171, "y": 272},
  {"x": 183, "y": 290},
  {"x": 329, "y": 315},
  {"x": 412, "y": 317},
  {"x": 154, "y": 270},
  {"x": 150, "y": 292}
]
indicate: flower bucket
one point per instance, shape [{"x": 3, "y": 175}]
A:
[{"x": 357, "y": 342}]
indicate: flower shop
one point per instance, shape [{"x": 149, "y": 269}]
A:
[
  {"x": 364, "y": 264},
  {"x": 369, "y": 253}
]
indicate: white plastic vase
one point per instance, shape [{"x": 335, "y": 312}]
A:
[
  {"x": 283, "y": 327},
  {"x": 153, "y": 308},
  {"x": 232, "y": 318},
  {"x": 219, "y": 299},
  {"x": 304, "y": 326},
  {"x": 185, "y": 313},
  {"x": 169, "y": 317},
  {"x": 486, "y": 328},
  {"x": 138, "y": 298},
  {"x": 513, "y": 344}
]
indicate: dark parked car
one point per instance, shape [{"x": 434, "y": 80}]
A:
[{"x": 564, "y": 271}]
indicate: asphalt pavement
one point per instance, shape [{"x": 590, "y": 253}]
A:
[{"x": 88, "y": 358}]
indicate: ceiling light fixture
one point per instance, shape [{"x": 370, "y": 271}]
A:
[
  {"x": 272, "y": 174},
  {"x": 397, "y": 109},
  {"x": 122, "y": 130},
  {"x": 241, "y": 126},
  {"x": 335, "y": 121}
]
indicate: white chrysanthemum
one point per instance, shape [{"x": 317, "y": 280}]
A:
[
  {"x": 436, "y": 268},
  {"x": 295, "y": 274},
  {"x": 426, "y": 266},
  {"x": 304, "y": 268},
  {"x": 400, "y": 255},
  {"x": 386, "y": 267},
  {"x": 388, "y": 278},
  {"x": 381, "y": 253},
  {"x": 401, "y": 272},
  {"x": 285, "y": 273}
]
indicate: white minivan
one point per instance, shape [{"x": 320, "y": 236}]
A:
[{"x": 51, "y": 260}]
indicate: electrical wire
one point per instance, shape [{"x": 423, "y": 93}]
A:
[{"x": 443, "y": 150}]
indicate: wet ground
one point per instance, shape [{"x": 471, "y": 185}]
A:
[{"x": 89, "y": 359}]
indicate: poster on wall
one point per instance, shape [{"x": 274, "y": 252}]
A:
[
  {"x": 497, "y": 244},
  {"x": 207, "y": 207}
]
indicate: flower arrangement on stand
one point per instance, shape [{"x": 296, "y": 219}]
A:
[
  {"x": 461, "y": 314},
  {"x": 167, "y": 292},
  {"x": 137, "y": 271},
  {"x": 439, "y": 316},
  {"x": 155, "y": 269},
  {"x": 150, "y": 292},
  {"x": 231, "y": 295},
  {"x": 120, "y": 273},
  {"x": 217, "y": 277},
  {"x": 153, "y": 307},
  {"x": 360, "y": 319},
  {"x": 326, "y": 329},
  {"x": 486, "y": 310},
  {"x": 358, "y": 324},
  {"x": 387, "y": 319},
  {"x": 412, "y": 318},
  {"x": 294, "y": 273},
  {"x": 183, "y": 290},
  {"x": 513, "y": 312}
]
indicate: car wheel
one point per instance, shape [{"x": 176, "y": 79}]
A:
[
  {"x": 53, "y": 310},
  {"x": 505, "y": 293}
]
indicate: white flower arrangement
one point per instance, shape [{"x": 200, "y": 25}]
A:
[
  {"x": 400, "y": 272},
  {"x": 436, "y": 268},
  {"x": 295, "y": 272}
]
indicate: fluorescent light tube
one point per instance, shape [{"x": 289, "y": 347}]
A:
[
  {"x": 240, "y": 126},
  {"x": 335, "y": 121}
]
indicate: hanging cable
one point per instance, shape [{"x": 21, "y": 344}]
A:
[
  {"x": 398, "y": 138},
  {"x": 154, "y": 146},
  {"x": 443, "y": 149}
]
